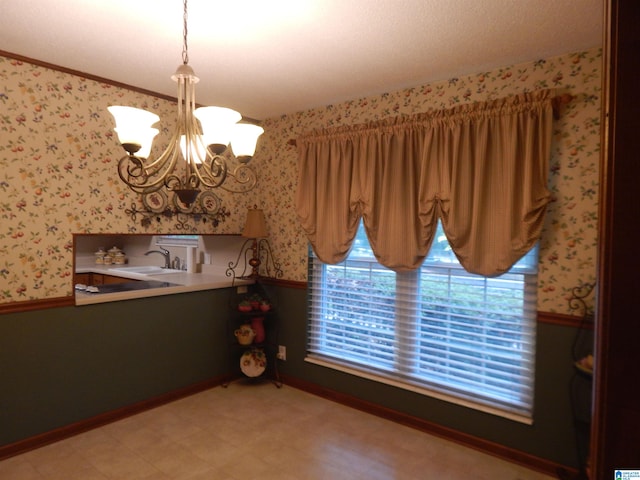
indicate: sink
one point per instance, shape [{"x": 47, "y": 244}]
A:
[{"x": 146, "y": 270}]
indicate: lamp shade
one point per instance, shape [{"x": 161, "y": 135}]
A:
[
  {"x": 131, "y": 116},
  {"x": 244, "y": 137},
  {"x": 216, "y": 123},
  {"x": 255, "y": 226},
  {"x": 137, "y": 136},
  {"x": 198, "y": 151},
  {"x": 133, "y": 126}
]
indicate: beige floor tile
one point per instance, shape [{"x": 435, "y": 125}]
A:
[
  {"x": 256, "y": 431},
  {"x": 182, "y": 464},
  {"x": 210, "y": 448},
  {"x": 17, "y": 468},
  {"x": 244, "y": 464},
  {"x": 88, "y": 473},
  {"x": 66, "y": 465},
  {"x": 128, "y": 466}
]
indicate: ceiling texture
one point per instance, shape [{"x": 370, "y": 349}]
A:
[{"x": 267, "y": 58}]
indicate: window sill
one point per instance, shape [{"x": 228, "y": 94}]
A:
[{"x": 405, "y": 385}]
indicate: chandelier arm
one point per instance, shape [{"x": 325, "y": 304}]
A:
[
  {"x": 138, "y": 182},
  {"x": 195, "y": 152},
  {"x": 161, "y": 167},
  {"x": 150, "y": 177},
  {"x": 127, "y": 171},
  {"x": 131, "y": 166},
  {"x": 210, "y": 169},
  {"x": 213, "y": 172},
  {"x": 170, "y": 155},
  {"x": 244, "y": 178}
]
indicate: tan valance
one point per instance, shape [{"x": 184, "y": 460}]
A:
[{"x": 480, "y": 168}]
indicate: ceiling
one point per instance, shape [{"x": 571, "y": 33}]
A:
[{"x": 267, "y": 58}]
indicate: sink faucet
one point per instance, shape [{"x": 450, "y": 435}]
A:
[{"x": 165, "y": 253}]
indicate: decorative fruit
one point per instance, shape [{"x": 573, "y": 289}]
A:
[
  {"x": 255, "y": 300},
  {"x": 265, "y": 306},
  {"x": 245, "y": 306}
]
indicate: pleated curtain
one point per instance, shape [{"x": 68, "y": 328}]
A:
[{"x": 481, "y": 169}]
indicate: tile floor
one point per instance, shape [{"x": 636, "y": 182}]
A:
[{"x": 256, "y": 431}]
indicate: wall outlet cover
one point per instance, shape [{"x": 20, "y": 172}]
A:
[{"x": 282, "y": 352}]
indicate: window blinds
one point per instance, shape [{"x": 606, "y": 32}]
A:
[{"x": 439, "y": 328}]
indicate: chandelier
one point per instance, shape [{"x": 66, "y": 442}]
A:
[{"x": 198, "y": 155}]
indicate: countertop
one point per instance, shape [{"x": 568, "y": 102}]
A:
[{"x": 211, "y": 278}]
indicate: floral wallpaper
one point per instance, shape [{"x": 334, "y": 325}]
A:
[{"x": 58, "y": 156}]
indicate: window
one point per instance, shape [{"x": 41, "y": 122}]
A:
[
  {"x": 177, "y": 240},
  {"x": 438, "y": 330}
]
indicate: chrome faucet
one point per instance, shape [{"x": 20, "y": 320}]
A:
[{"x": 165, "y": 253}]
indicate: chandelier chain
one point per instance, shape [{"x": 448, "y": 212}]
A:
[{"x": 185, "y": 47}]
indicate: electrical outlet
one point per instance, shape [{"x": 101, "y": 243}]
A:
[
  {"x": 282, "y": 353},
  {"x": 242, "y": 289}
]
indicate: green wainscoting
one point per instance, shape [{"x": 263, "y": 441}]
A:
[{"x": 64, "y": 365}]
